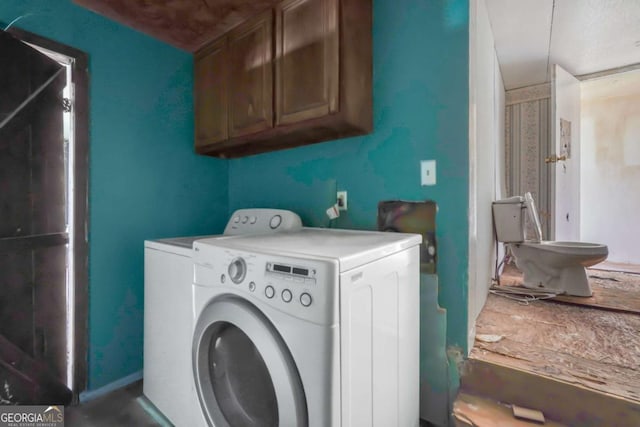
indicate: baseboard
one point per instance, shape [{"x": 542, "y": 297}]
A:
[{"x": 88, "y": 395}]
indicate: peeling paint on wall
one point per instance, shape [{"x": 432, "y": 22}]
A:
[
  {"x": 456, "y": 358},
  {"x": 435, "y": 404},
  {"x": 610, "y": 164}
]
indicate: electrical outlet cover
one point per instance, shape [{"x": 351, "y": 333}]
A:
[{"x": 341, "y": 200}]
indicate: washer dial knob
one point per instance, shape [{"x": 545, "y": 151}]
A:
[
  {"x": 286, "y": 295},
  {"x": 237, "y": 270},
  {"x": 275, "y": 222}
]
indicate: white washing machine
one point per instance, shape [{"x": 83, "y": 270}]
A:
[
  {"x": 168, "y": 312},
  {"x": 316, "y": 328}
]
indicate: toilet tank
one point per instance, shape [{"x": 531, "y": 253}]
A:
[{"x": 508, "y": 217}]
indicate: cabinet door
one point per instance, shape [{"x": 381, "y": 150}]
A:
[
  {"x": 307, "y": 61},
  {"x": 211, "y": 100},
  {"x": 251, "y": 85}
]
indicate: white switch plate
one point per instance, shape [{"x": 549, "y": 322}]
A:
[{"x": 428, "y": 172}]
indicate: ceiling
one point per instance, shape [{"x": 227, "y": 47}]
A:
[
  {"x": 186, "y": 24},
  {"x": 582, "y": 36}
]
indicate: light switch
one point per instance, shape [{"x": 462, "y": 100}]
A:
[{"x": 428, "y": 172}]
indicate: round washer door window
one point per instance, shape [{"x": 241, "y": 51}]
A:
[
  {"x": 240, "y": 379},
  {"x": 245, "y": 376}
]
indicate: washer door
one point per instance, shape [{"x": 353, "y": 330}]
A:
[{"x": 244, "y": 373}]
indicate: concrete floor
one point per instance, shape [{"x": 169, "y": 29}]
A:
[{"x": 124, "y": 407}]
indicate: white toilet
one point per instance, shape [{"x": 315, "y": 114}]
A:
[{"x": 557, "y": 267}]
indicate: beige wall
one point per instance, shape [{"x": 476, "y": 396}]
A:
[
  {"x": 610, "y": 175},
  {"x": 565, "y": 176}
]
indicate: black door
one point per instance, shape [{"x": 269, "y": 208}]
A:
[{"x": 33, "y": 227}]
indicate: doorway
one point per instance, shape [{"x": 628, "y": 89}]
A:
[
  {"x": 541, "y": 121},
  {"x": 43, "y": 220}
]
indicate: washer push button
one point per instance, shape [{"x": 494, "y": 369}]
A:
[
  {"x": 275, "y": 222},
  {"x": 269, "y": 292},
  {"x": 287, "y": 296},
  {"x": 305, "y": 299}
]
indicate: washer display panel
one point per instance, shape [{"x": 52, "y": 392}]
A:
[{"x": 245, "y": 376}]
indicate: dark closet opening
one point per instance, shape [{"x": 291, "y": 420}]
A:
[{"x": 43, "y": 220}]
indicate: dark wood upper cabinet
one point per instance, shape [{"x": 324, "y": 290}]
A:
[
  {"x": 211, "y": 95},
  {"x": 269, "y": 74},
  {"x": 307, "y": 60},
  {"x": 251, "y": 76},
  {"x": 301, "y": 78}
]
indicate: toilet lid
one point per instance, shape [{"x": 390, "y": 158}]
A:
[{"x": 533, "y": 215}]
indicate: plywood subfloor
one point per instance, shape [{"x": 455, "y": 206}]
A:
[
  {"x": 469, "y": 410},
  {"x": 612, "y": 290},
  {"x": 617, "y": 266},
  {"x": 591, "y": 347}
]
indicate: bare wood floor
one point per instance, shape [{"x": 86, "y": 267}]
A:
[
  {"x": 617, "y": 266},
  {"x": 590, "y": 346},
  {"x": 612, "y": 290}
]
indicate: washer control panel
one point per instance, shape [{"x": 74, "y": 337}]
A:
[
  {"x": 303, "y": 288},
  {"x": 292, "y": 277},
  {"x": 256, "y": 221}
]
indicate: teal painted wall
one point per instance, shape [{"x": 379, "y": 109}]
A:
[
  {"x": 421, "y": 85},
  {"x": 145, "y": 180}
]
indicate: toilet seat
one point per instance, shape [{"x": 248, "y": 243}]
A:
[
  {"x": 533, "y": 216},
  {"x": 576, "y": 248}
]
